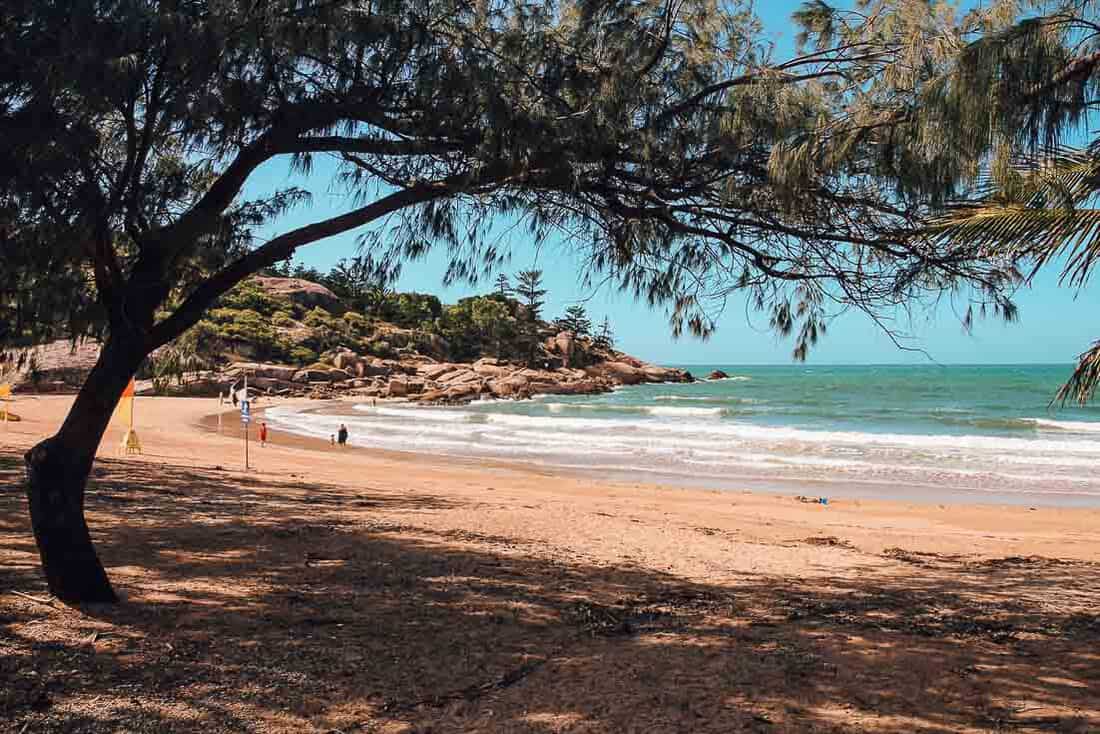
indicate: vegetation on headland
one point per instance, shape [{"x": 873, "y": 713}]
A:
[{"x": 254, "y": 322}]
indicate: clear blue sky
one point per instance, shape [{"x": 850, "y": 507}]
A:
[{"x": 1055, "y": 325}]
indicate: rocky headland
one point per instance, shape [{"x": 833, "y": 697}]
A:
[{"x": 417, "y": 365}]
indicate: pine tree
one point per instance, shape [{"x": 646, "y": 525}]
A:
[
  {"x": 504, "y": 286},
  {"x": 576, "y": 320},
  {"x": 529, "y": 288},
  {"x": 604, "y": 338}
]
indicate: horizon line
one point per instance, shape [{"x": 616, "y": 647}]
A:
[{"x": 872, "y": 364}]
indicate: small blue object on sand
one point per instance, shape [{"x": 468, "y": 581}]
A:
[{"x": 823, "y": 500}]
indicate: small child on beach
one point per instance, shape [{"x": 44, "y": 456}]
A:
[{"x": 263, "y": 433}]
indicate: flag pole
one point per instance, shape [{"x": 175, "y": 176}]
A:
[
  {"x": 5, "y": 396},
  {"x": 246, "y": 423}
]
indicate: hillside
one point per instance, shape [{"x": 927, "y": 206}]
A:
[{"x": 296, "y": 337}]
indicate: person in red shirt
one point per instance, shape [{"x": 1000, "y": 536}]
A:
[{"x": 263, "y": 433}]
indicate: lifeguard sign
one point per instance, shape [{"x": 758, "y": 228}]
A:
[{"x": 246, "y": 415}]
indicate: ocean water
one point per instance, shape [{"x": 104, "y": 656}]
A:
[{"x": 922, "y": 433}]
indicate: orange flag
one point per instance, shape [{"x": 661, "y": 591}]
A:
[{"x": 125, "y": 408}]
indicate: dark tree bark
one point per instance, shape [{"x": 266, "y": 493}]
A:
[{"x": 57, "y": 473}]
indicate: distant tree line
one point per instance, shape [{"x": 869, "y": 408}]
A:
[{"x": 504, "y": 323}]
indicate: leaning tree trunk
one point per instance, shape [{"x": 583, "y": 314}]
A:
[{"x": 57, "y": 472}]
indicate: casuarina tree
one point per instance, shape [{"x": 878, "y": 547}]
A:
[{"x": 660, "y": 140}]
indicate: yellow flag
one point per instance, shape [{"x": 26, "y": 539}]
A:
[{"x": 125, "y": 408}]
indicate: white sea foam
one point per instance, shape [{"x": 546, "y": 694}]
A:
[
  {"x": 709, "y": 442},
  {"x": 1074, "y": 426},
  {"x": 663, "y": 412},
  {"x": 725, "y": 400}
]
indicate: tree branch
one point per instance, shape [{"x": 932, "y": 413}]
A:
[{"x": 368, "y": 146}]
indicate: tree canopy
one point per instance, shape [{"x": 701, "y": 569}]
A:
[
  {"x": 1029, "y": 94},
  {"x": 663, "y": 140}
]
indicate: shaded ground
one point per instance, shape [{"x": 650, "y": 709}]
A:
[{"x": 258, "y": 604}]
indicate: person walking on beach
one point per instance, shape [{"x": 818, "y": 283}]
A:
[
  {"x": 263, "y": 433},
  {"x": 342, "y": 435}
]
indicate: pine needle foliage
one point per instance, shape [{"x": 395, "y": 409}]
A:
[
  {"x": 1022, "y": 93},
  {"x": 661, "y": 139}
]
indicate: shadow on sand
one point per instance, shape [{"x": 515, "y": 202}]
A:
[{"x": 259, "y": 604}]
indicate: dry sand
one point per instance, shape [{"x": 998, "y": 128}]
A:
[{"x": 347, "y": 590}]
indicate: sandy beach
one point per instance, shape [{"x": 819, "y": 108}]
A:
[{"x": 333, "y": 589}]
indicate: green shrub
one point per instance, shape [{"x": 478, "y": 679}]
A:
[
  {"x": 381, "y": 349},
  {"x": 283, "y": 320},
  {"x": 249, "y": 296},
  {"x": 320, "y": 318},
  {"x": 302, "y": 355}
]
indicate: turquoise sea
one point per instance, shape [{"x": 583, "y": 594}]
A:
[{"x": 925, "y": 433}]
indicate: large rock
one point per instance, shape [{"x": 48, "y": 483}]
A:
[
  {"x": 620, "y": 372},
  {"x": 397, "y": 367},
  {"x": 508, "y": 387},
  {"x": 717, "y": 375},
  {"x": 465, "y": 392},
  {"x": 270, "y": 383},
  {"x": 460, "y": 375},
  {"x": 255, "y": 369},
  {"x": 653, "y": 373},
  {"x": 592, "y": 386},
  {"x": 453, "y": 393},
  {"x": 303, "y": 292},
  {"x": 310, "y": 375},
  {"x": 433, "y": 396},
  {"x": 564, "y": 345},
  {"x": 490, "y": 369},
  {"x": 346, "y": 360},
  {"x": 433, "y": 371},
  {"x": 400, "y": 387}
]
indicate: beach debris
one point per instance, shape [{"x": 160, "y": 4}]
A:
[
  {"x": 828, "y": 540},
  {"x": 45, "y": 602},
  {"x": 470, "y": 693}
]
